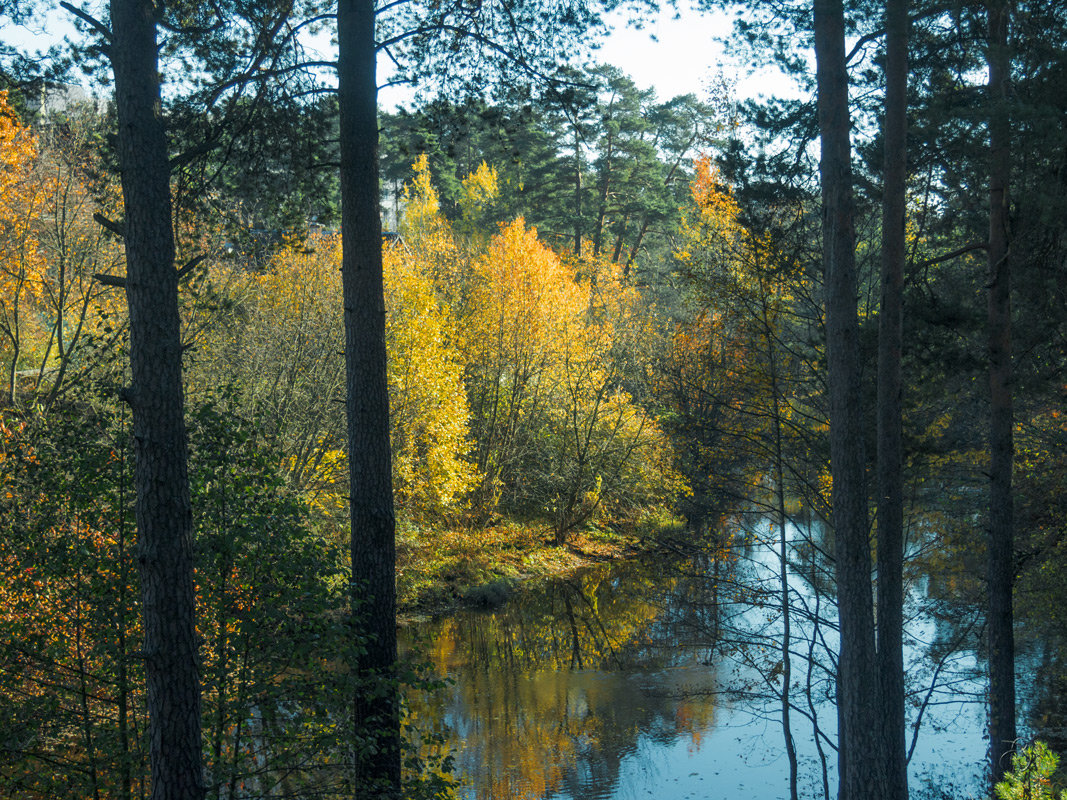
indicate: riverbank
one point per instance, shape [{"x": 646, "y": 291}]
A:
[{"x": 438, "y": 570}]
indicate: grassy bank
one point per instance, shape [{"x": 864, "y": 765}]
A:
[{"x": 437, "y": 569}]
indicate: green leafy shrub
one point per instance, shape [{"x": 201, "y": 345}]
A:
[{"x": 1031, "y": 774}]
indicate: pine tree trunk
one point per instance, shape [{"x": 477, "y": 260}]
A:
[
  {"x": 636, "y": 248},
  {"x": 164, "y": 514},
  {"x": 1002, "y": 731},
  {"x": 860, "y": 763},
  {"x": 375, "y": 714},
  {"x": 605, "y": 192},
  {"x": 890, "y": 390},
  {"x": 577, "y": 193}
]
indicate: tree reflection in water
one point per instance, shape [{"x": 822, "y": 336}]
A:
[{"x": 662, "y": 678}]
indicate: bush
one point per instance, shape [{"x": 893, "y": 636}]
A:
[{"x": 1031, "y": 774}]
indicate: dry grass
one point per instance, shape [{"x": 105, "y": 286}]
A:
[{"x": 438, "y": 568}]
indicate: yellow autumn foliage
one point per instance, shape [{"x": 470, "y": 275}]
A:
[
  {"x": 521, "y": 307},
  {"x": 713, "y": 239},
  {"x": 287, "y": 355},
  {"x": 428, "y": 400},
  {"x": 557, "y": 434},
  {"x": 480, "y": 191},
  {"x": 728, "y": 366},
  {"x": 524, "y": 304},
  {"x": 422, "y": 205},
  {"x": 503, "y": 371},
  {"x": 21, "y": 203},
  {"x": 50, "y": 248},
  {"x": 427, "y": 236}
]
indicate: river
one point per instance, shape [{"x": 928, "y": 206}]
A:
[{"x": 661, "y": 678}]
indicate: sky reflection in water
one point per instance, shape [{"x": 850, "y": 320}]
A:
[{"x": 654, "y": 681}]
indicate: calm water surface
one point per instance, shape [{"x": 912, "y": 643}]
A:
[{"x": 662, "y": 680}]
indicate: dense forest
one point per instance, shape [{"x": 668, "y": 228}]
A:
[{"x": 281, "y": 370}]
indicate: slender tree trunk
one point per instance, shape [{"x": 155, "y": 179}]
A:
[
  {"x": 617, "y": 252},
  {"x": 890, "y": 390},
  {"x": 605, "y": 191},
  {"x": 636, "y": 248},
  {"x": 122, "y": 606},
  {"x": 375, "y": 713},
  {"x": 221, "y": 678},
  {"x": 164, "y": 515},
  {"x": 240, "y": 700},
  {"x": 783, "y": 544},
  {"x": 83, "y": 697},
  {"x": 13, "y": 370},
  {"x": 577, "y": 192},
  {"x": 122, "y": 677},
  {"x": 860, "y": 762},
  {"x": 1002, "y": 731},
  {"x": 809, "y": 691}
]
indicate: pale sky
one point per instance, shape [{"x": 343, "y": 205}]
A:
[
  {"x": 671, "y": 55},
  {"x": 677, "y": 52},
  {"x": 682, "y": 58}
]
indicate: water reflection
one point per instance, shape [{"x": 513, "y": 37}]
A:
[
  {"x": 554, "y": 692},
  {"x": 662, "y": 679}
]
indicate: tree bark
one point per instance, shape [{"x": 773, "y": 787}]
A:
[
  {"x": 1000, "y": 573},
  {"x": 375, "y": 712},
  {"x": 163, "y": 510},
  {"x": 890, "y": 413},
  {"x": 577, "y": 191},
  {"x": 860, "y": 764},
  {"x": 605, "y": 185}
]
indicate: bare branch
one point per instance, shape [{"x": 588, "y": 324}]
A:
[
  {"x": 110, "y": 280},
  {"x": 292, "y": 30},
  {"x": 518, "y": 60},
  {"x": 398, "y": 82},
  {"x": 190, "y": 266},
  {"x": 107, "y": 224},
  {"x": 954, "y": 254},
  {"x": 92, "y": 21},
  {"x": 188, "y": 156},
  {"x": 865, "y": 40},
  {"x": 390, "y": 6},
  {"x": 191, "y": 30},
  {"x": 254, "y": 75}
]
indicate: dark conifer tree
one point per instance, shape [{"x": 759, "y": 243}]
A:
[
  {"x": 890, "y": 550},
  {"x": 164, "y": 514},
  {"x": 1001, "y": 555},
  {"x": 860, "y": 756}
]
